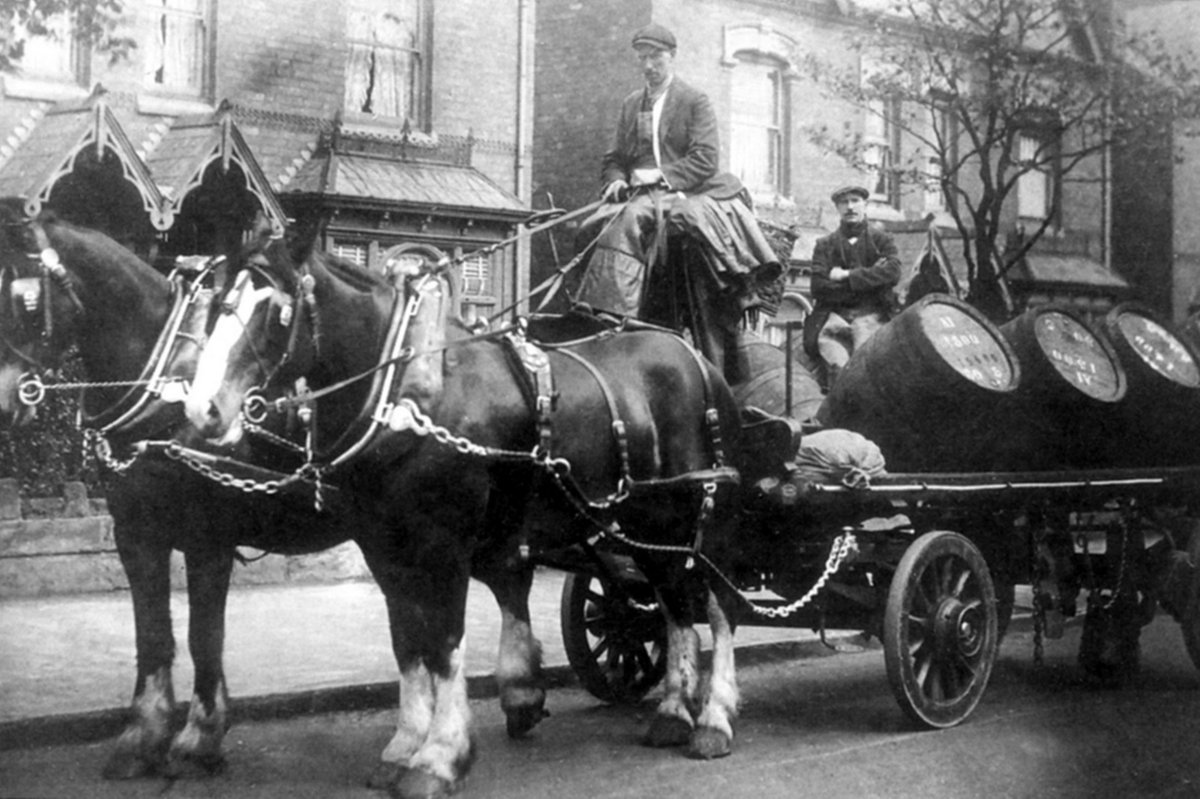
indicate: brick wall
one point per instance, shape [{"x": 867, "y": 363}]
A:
[{"x": 64, "y": 545}]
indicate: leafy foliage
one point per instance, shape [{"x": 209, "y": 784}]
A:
[
  {"x": 49, "y": 452},
  {"x": 93, "y": 23}
]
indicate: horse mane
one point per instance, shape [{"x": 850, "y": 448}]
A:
[
  {"x": 358, "y": 277},
  {"x": 83, "y": 243}
]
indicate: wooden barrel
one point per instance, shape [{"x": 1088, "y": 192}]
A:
[
  {"x": 1162, "y": 406},
  {"x": 767, "y": 386},
  {"x": 1066, "y": 411},
  {"x": 928, "y": 388}
]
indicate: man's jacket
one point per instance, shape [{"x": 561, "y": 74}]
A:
[
  {"x": 688, "y": 143},
  {"x": 874, "y": 265}
]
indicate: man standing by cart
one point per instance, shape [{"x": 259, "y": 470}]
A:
[
  {"x": 854, "y": 276},
  {"x": 660, "y": 176}
]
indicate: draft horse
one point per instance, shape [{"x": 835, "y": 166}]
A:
[
  {"x": 496, "y": 444},
  {"x": 137, "y": 332}
]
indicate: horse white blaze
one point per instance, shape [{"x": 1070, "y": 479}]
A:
[
  {"x": 211, "y": 405},
  {"x": 414, "y": 715},
  {"x": 447, "y": 748}
]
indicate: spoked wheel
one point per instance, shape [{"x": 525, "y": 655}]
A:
[
  {"x": 1191, "y": 616},
  {"x": 618, "y": 651},
  {"x": 940, "y": 630}
]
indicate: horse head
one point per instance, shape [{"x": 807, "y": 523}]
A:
[
  {"x": 324, "y": 326},
  {"x": 39, "y": 310},
  {"x": 254, "y": 333}
]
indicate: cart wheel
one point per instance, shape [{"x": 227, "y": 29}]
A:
[
  {"x": 619, "y": 652},
  {"x": 1191, "y": 616},
  {"x": 939, "y": 629}
]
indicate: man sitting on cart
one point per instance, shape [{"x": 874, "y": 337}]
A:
[
  {"x": 855, "y": 272},
  {"x": 660, "y": 177}
]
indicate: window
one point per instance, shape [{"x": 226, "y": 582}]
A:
[
  {"x": 1035, "y": 187},
  {"x": 49, "y": 55},
  {"x": 757, "y": 148},
  {"x": 476, "y": 278},
  {"x": 385, "y": 70},
  {"x": 881, "y": 143},
  {"x": 355, "y": 252},
  {"x": 175, "y": 46}
]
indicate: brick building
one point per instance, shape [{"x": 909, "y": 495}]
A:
[
  {"x": 747, "y": 56},
  {"x": 388, "y": 129},
  {"x": 1167, "y": 190}
]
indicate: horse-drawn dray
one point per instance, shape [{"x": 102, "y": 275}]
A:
[
  {"x": 1069, "y": 465},
  {"x": 928, "y": 564},
  {"x": 610, "y": 449}
]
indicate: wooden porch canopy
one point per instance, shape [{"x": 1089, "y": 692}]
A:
[{"x": 168, "y": 163}]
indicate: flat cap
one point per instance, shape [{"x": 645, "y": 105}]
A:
[
  {"x": 655, "y": 35},
  {"x": 844, "y": 190}
]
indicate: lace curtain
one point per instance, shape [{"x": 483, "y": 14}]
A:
[
  {"x": 383, "y": 63},
  {"x": 175, "y": 45}
]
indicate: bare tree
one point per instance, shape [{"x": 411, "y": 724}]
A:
[{"x": 993, "y": 90}]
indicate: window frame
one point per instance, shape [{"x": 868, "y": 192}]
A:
[
  {"x": 778, "y": 130},
  {"x": 881, "y": 149},
  {"x": 153, "y": 12},
  {"x": 420, "y": 114},
  {"x": 943, "y": 127},
  {"x": 1048, "y": 173}
]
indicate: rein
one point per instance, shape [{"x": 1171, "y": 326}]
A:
[
  {"x": 33, "y": 389},
  {"x": 406, "y": 354}
]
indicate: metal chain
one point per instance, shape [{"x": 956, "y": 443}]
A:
[
  {"x": 36, "y": 387},
  {"x": 306, "y": 473},
  {"x": 422, "y": 425},
  {"x": 100, "y": 447},
  {"x": 267, "y": 435},
  {"x": 843, "y": 547},
  {"x": 1116, "y": 591},
  {"x": 1039, "y": 627}
]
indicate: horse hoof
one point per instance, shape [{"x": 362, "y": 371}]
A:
[
  {"x": 708, "y": 743},
  {"x": 128, "y": 766},
  {"x": 521, "y": 720},
  {"x": 420, "y": 784},
  {"x": 667, "y": 731},
  {"x": 386, "y": 775}
]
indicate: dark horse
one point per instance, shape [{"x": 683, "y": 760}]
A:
[
  {"x": 62, "y": 285},
  {"x": 494, "y": 445}
]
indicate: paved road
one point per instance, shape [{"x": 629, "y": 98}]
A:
[
  {"x": 823, "y": 726},
  {"x": 67, "y": 655}
]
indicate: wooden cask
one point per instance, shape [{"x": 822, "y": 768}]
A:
[
  {"x": 929, "y": 388},
  {"x": 767, "y": 387},
  {"x": 1066, "y": 411},
  {"x": 1161, "y": 411}
]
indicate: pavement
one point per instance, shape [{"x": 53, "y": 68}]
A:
[{"x": 67, "y": 663}]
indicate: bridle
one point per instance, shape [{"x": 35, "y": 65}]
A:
[
  {"x": 37, "y": 292},
  {"x": 255, "y": 405},
  {"x": 26, "y": 296}
]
